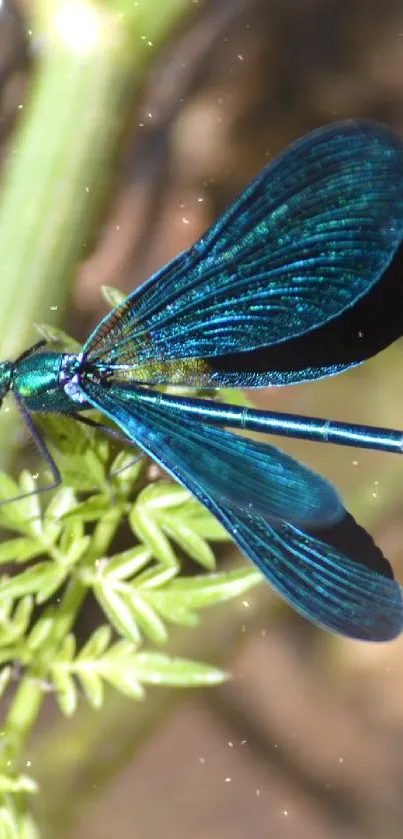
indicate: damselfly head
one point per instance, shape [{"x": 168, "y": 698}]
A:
[{"x": 6, "y": 369}]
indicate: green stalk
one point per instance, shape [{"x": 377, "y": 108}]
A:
[{"x": 93, "y": 57}]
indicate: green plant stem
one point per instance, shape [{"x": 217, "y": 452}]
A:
[
  {"x": 20, "y": 719},
  {"x": 60, "y": 159}
]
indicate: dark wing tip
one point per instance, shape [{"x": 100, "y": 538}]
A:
[{"x": 352, "y": 540}]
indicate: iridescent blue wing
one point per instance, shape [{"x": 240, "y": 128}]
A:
[
  {"x": 250, "y": 488},
  {"x": 301, "y": 245},
  {"x": 247, "y": 473}
]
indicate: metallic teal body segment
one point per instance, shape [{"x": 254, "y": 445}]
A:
[
  {"x": 295, "y": 281},
  {"x": 36, "y": 380},
  {"x": 315, "y": 429}
]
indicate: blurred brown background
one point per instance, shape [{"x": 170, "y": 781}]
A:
[{"x": 306, "y": 740}]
